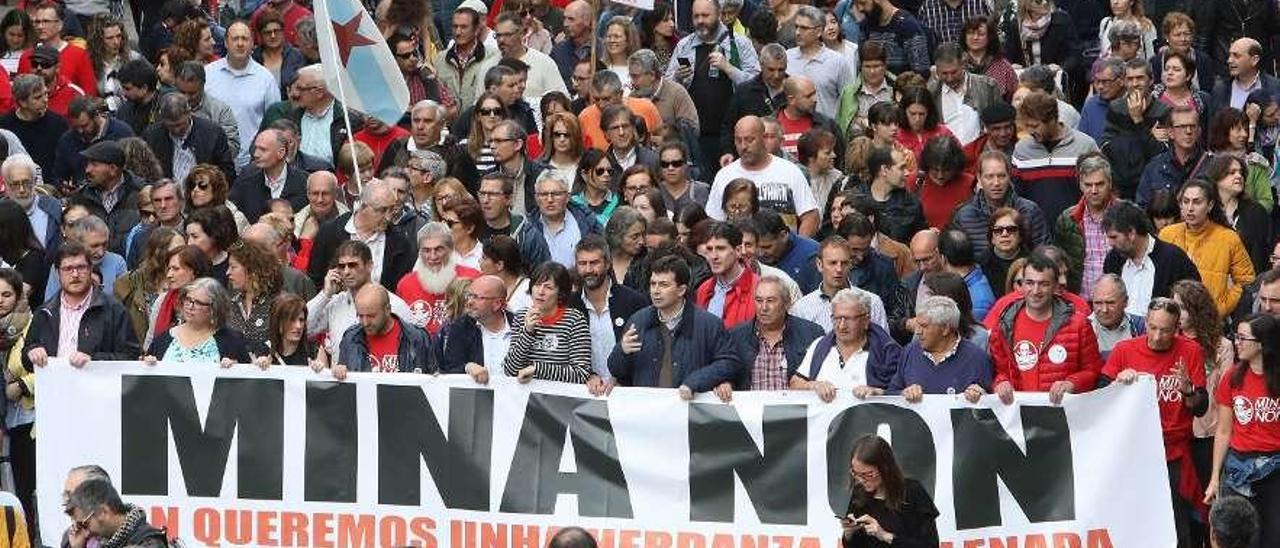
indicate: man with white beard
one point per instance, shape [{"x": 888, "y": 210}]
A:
[{"x": 426, "y": 288}]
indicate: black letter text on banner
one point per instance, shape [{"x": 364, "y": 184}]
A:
[
  {"x": 719, "y": 447},
  {"x": 408, "y": 431},
  {"x": 911, "y": 438}
]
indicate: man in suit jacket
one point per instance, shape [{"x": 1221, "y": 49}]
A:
[
  {"x": 1148, "y": 266},
  {"x": 1244, "y": 64},
  {"x": 478, "y": 340},
  {"x": 393, "y": 252},
  {"x": 953, "y": 81},
  {"x": 203, "y": 141},
  {"x": 271, "y": 177},
  {"x": 606, "y": 304}
]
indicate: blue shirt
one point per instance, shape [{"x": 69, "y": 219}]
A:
[
  {"x": 1093, "y": 117},
  {"x": 560, "y": 243},
  {"x": 968, "y": 365},
  {"x": 315, "y": 134},
  {"x": 979, "y": 293},
  {"x": 249, "y": 92},
  {"x": 799, "y": 262}
]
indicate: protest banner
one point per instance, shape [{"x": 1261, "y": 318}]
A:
[{"x": 289, "y": 457}]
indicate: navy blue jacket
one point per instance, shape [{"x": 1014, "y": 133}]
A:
[
  {"x": 885, "y": 355},
  {"x": 799, "y": 262},
  {"x": 250, "y": 193},
  {"x": 416, "y": 350},
  {"x": 1164, "y": 172},
  {"x": 701, "y": 355},
  {"x": 969, "y": 365},
  {"x": 105, "y": 330},
  {"x": 463, "y": 344},
  {"x": 797, "y": 335},
  {"x": 68, "y": 164},
  {"x": 1221, "y": 96},
  {"x": 533, "y": 246}
]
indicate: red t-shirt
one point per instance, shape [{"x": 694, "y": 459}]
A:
[
  {"x": 1028, "y": 336},
  {"x": 1175, "y": 417},
  {"x": 1256, "y": 412},
  {"x": 379, "y": 143},
  {"x": 428, "y": 310},
  {"x": 940, "y": 201},
  {"x": 792, "y": 129},
  {"x": 384, "y": 350}
]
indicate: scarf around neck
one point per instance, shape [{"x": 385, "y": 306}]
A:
[{"x": 1033, "y": 31}]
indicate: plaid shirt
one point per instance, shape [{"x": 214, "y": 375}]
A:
[
  {"x": 1095, "y": 250},
  {"x": 946, "y": 23},
  {"x": 770, "y": 369}
]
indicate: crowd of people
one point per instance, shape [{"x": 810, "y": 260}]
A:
[{"x": 870, "y": 197}]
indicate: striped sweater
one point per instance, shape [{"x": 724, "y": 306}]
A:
[
  {"x": 1048, "y": 177},
  {"x": 560, "y": 351}
]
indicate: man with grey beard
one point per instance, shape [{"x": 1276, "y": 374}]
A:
[{"x": 425, "y": 289}]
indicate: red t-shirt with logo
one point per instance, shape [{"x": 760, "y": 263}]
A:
[
  {"x": 1175, "y": 417},
  {"x": 384, "y": 350},
  {"x": 792, "y": 129},
  {"x": 428, "y": 310},
  {"x": 1028, "y": 335},
  {"x": 1256, "y": 412}
]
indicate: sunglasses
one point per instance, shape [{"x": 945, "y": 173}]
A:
[
  {"x": 602, "y": 171},
  {"x": 1003, "y": 230},
  {"x": 560, "y": 135},
  {"x": 672, "y": 163},
  {"x": 490, "y": 112},
  {"x": 42, "y": 65},
  {"x": 407, "y": 55},
  {"x": 202, "y": 185}
]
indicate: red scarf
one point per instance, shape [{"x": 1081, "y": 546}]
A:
[{"x": 164, "y": 317}]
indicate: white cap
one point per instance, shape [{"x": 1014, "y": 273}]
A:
[{"x": 476, "y": 5}]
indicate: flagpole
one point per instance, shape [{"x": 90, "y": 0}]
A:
[{"x": 351, "y": 137}]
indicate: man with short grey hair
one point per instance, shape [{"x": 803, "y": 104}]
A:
[
  {"x": 21, "y": 176},
  {"x": 773, "y": 343},
  {"x": 555, "y": 225},
  {"x": 544, "y": 76},
  {"x": 1132, "y": 136},
  {"x": 941, "y": 361},
  {"x": 1110, "y": 321},
  {"x": 319, "y": 115},
  {"x": 1078, "y": 230},
  {"x": 856, "y": 355},
  {"x": 189, "y": 78},
  {"x": 427, "y": 122},
  {"x": 761, "y": 96},
  {"x": 673, "y": 101},
  {"x": 425, "y": 289},
  {"x": 392, "y": 253},
  {"x": 829, "y": 71},
  {"x": 269, "y": 178},
  {"x": 322, "y": 204},
  {"x": 33, "y": 124}
]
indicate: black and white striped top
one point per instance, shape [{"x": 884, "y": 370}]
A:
[{"x": 559, "y": 352}]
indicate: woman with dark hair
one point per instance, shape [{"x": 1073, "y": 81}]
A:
[
  {"x": 1007, "y": 242},
  {"x": 183, "y": 266},
  {"x": 983, "y": 54},
  {"x": 466, "y": 223},
  {"x": 552, "y": 340},
  {"x": 1246, "y": 446},
  {"x": 555, "y": 102},
  {"x": 1177, "y": 85},
  {"x": 1043, "y": 34},
  {"x": 816, "y": 150},
  {"x": 834, "y": 39},
  {"x": 109, "y": 50},
  {"x": 685, "y": 219},
  {"x": 884, "y": 124},
  {"x": 19, "y": 410},
  {"x": 213, "y": 231},
  {"x": 921, "y": 120},
  {"x": 1243, "y": 215},
  {"x": 1262, "y": 108},
  {"x": 636, "y": 180},
  {"x": 273, "y": 51},
  {"x": 194, "y": 39},
  {"x": 207, "y": 186},
  {"x": 658, "y": 31},
  {"x": 651, "y": 205},
  {"x": 593, "y": 187},
  {"x": 203, "y": 335},
  {"x": 886, "y": 508},
  {"x": 139, "y": 288},
  {"x": 950, "y": 284},
  {"x": 20, "y": 249},
  {"x": 1217, "y": 251},
  {"x": 564, "y": 149},
  {"x": 255, "y": 280},
  {"x": 945, "y": 185},
  {"x": 501, "y": 258},
  {"x": 1199, "y": 322},
  {"x": 413, "y": 19},
  {"x": 18, "y": 36},
  {"x": 1229, "y": 134},
  {"x": 741, "y": 200},
  {"x": 625, "y": 236},
  {"x": 1163, "y": 209},
  {"x": 287, "y": 342},
  {"x": 488, "y": 111}
]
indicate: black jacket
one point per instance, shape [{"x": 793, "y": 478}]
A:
[
  {"x": 750, "y": 98},
  {"x": 913, "y": 524},
  {"x": 206, "y": 140},
  {"x": 624, "y": 302},
  {"x": 461, "y": 166},
  {"x": 532, "y": 169},
  {"x": 105, "y": 330},
  {"x": 1221, "y": 22},
  {"x": 1172, "y": 264},
  {"x": 797, "y": 335},
  {"x": 1130, "y": 146},
  {"x": 1221, "y": 96},
  {"x": 250, "y": 192},
  {"x": 231, "y": 344},
  {"x": 398, "y": 256},
  {"x": 464, "y": 344},
  {"x": 124, "y": 215},
  {"x": 1059, "y": 45}
]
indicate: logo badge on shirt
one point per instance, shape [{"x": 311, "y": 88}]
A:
[
  {"x": 1057, "y": 354},
  {"x": 1025, "y": 354}
]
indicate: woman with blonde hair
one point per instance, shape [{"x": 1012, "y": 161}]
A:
[
  {"x": 352, "y": 154},
  {"x": 620, "y": 40},
  {"x": 563, "y": 148},
  {"x": 139, "y": 288},
  {"x": 195, "y": 39}
]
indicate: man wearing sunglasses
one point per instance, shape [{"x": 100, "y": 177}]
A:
[
  {"x": 45, "y": 64},
  {"x": 74, "y": 63},
  {"x": 96, "y": 511}
]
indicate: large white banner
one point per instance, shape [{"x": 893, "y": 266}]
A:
[{"x": 289, "y": 457}]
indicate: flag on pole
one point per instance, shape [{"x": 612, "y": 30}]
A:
[{"x": 358, "y": 64}]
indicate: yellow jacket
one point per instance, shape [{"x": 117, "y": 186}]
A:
[{"x": 1220, "y": 257}]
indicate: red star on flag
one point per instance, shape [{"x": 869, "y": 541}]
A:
[{"x": 348, "y": 36}]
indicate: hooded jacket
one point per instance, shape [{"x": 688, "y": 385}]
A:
[{"x": 1069, "y": 351}]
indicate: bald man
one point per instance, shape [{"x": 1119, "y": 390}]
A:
[
  {"x": 781, "y": 185},
  {"x": 925, "y": 255},
  {"x": 382, "y": 342},
  {"x": 801, "y": 115},
  {"x": 478, "y": 340},
  {"x": 322, "y": 204},
  {"x": 295, "y": 281},
  {"x": 576, "y": 44},
  {"x": 1244, "y": 64}
]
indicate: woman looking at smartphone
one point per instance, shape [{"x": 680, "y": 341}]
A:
[{"x": 886, "y": 509}]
